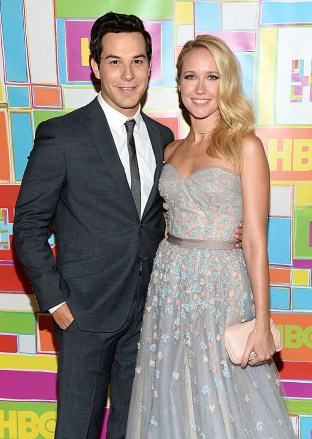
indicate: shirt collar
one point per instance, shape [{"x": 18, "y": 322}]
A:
[{"x": 116, "y": 119}]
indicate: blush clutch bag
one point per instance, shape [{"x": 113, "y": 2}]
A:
[{"x": 236, "y": 336}]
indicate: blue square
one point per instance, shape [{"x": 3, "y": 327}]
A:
[
  {"x": 305, "y": 427},
  {"x": 22, "y": 140},
  {"x": 302, "y": 299},
  {"x": 18, "y": 97},
  {"x": 207, "y": 17},
  {"x": 279, "y": 298},
  {"x": 279, "y": 241},
  {"x": 246, "y": 62}
]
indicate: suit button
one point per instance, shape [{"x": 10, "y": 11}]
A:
[{"x": 139, "y": 260}]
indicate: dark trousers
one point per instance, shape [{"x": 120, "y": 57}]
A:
[{"x": 88, "y": 363}]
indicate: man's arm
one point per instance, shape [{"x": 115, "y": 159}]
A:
[
  {"x": 239, "y": 235},
  {"x": 37, "y": 201}
]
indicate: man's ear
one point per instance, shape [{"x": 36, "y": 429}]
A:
[
  {"x": 95, "y": 68},
  {"x": 150, "y": 70}
]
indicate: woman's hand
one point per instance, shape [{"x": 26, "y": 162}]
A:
[{"x": 260, "y": 347}]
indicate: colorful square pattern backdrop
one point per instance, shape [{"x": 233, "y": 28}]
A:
[{"x": 44, "y": 72}]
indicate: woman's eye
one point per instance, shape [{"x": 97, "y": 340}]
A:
[
  {"x": 213, "y": 77},
  {"x": 189, "y": 77}
]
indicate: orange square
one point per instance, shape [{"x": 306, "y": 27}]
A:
[
  {"x": 46, "y": 341},
  {"x": 279, "y": 275},
  {"x": 170, "y": 122},
  {"x": 296, "y": 332},
  {"x": 47, "y": 96}
]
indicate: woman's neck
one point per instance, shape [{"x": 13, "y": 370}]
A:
[{"x": 201, "y": 129}]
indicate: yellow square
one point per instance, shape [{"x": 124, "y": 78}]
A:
[
  {"x": 183, "y": 13},
  {"x": 303, "y": 194},
  {"x": 300, "y": 277}
]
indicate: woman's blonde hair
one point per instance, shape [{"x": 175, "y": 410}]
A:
[{"x": 237, "y": 116}]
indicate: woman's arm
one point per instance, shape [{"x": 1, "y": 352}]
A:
[{"x": 255, "y": 178}]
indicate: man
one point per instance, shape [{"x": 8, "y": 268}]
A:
[
  {"x": 102, "y": 195},
  {"x": 79, "y": 176}
]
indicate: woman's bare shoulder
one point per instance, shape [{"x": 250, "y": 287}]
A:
[
  {"x": 170, "y": 150},
  {"x": 254, "y": 156},
  {"x": 252, "y": 143}
]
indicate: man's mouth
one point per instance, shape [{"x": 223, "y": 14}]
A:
[{"x": 127, "y": 89}]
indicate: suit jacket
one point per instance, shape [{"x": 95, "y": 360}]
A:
[{"x": 75, "y": 178}]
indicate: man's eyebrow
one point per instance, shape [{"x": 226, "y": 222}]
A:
[
  {"x": 140, "y": 55},
  {"x": 112, "y": 56}
]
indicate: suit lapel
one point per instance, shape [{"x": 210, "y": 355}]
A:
[
  {"x": 158, "y": 152},
  {"x": 102, "y": 138}
]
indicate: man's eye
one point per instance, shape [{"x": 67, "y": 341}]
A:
[
  {"x": 115, "y": 61},
  {"x": 137, "y": 61}
]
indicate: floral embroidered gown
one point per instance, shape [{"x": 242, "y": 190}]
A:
[{"x": 185, "y": 385}]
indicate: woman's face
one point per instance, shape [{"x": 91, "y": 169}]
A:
[{"x": 199, "y": 84}]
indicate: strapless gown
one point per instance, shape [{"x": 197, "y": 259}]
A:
[{"x": 185, "y": 385}]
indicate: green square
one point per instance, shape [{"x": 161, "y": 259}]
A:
[
  {"x": 151, "y": 9},
  {"x": 17, "y": 322},
  {"x": 303, "y": 219}
]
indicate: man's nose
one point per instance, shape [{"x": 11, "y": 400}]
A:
[{"x": 127, "y": 73}]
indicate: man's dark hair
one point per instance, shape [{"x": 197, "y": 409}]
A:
[{"x": 116, "y": 23}]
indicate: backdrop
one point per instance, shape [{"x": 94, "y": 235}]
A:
[{"x": 44, "y": 72}]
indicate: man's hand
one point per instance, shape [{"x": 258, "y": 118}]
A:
[
  {"x": 239, "y": 235},
  {"x": 63, "y": 316}
]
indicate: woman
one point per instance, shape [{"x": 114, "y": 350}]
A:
[{"x": 185, "y": 385}]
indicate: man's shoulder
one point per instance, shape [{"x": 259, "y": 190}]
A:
[{"x": 69, "y": 119}]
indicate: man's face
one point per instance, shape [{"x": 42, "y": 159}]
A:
[{"x": 123, "y": 70}]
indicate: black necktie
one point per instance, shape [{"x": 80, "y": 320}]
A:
[{"x": 134, "y": 168}]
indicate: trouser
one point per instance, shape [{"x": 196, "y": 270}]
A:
[{"x": 90, "y": 362}]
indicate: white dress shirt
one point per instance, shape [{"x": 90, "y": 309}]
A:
[{"x": 143, "y": 146}]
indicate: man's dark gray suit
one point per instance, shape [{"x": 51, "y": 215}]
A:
[{"x": 105, "y": 252}]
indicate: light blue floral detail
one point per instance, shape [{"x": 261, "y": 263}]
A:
[
  {"x": 165, "y": 338},
  {"x": 218, "y": 384},
  {"x": 259, "y": 426},
  {"x": 153, "y": 421},
  {"x": 168, "y": 309},
  {"x": 226, "y": 373},
  {"x": 205, "y": 390},
  {"x": 153, "y": 347},
  {"x": 203, "y": 346}
]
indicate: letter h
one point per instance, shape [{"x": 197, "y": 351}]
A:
[{"x": 298, "y": 81}]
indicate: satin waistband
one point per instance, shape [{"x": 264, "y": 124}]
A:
[{"x": 209, "y": 244}]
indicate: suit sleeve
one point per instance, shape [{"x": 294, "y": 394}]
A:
[
  {"x": 38, "y": 198},
  {"x": 169, "y": 136}
]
